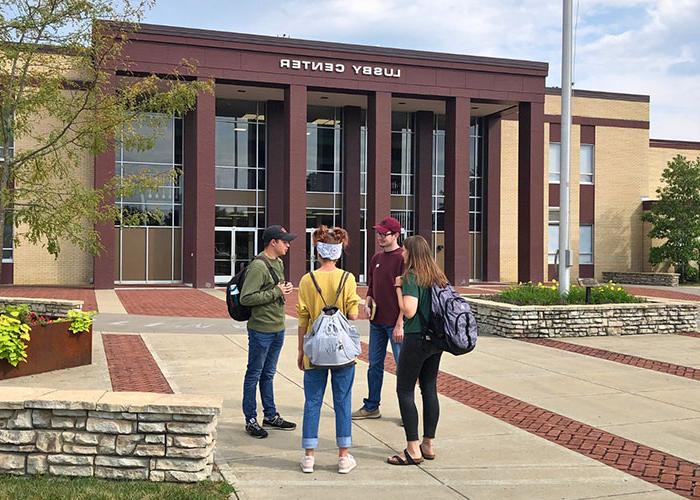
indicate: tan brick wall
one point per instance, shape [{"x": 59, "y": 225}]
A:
[
  {"x": 621, "y": 179},
  {"x": 33, "y": 265},
  {"x": 599, "y": 108},
  {"x": 509, "y": 201}
]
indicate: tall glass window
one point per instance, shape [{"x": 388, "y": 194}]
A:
[
  {"x": 553, "y": 236},
  {"x": 587, "y": 163},
  {"x": 324, "y": 171},
  {"x": 239, "y": 213},
  {"x": 477, "y": 161},
  {"x": 554, "y": 162},
  {"x": 152, "y": 251},
  {"x": 585, "y": 246},
  {"x": 402, "y": 170}
]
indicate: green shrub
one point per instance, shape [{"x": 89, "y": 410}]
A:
[
  {"x": 80, "y": 320},
  {"x": 14, "y": 335},
  {"x": 525, "y": 294}
]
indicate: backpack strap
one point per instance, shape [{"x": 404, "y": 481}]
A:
[
  {"x": 318, "y": 288},
  {"x": 273, "y": 274},
  {"x": 343, "y": 279}
]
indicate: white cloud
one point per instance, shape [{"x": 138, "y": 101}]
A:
[{"x": 635, "y": 46}]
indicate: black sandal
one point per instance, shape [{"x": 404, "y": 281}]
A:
[
  {"x": 426, "y": 455},
  {"x": 409, "y": 460}
]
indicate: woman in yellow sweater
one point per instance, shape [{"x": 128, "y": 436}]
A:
[{"x": 329, "y": 244}]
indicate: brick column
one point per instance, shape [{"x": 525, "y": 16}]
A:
[
  {"x": 492, "y": 215},
  {"x": 103, "y": 267},
  {"x": 457, "y": 241},
  {"x": 352, "y": 122},
  {"x": 424, "y": 175},
  {"x": 531, "y": 252},
  {"x": 293, "y": 196},
  {"x": 378, "y": 164},
  {"x": 275, "y": 162},
  {"x": 199, "y": 193}
]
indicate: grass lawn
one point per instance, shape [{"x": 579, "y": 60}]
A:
[{"x": 53, "y": 488}]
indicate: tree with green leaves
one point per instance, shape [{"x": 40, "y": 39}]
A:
[
  {"x": 675, "y": 218},
  {"x": 61, "y": 105}
]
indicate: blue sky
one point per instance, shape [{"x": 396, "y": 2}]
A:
[{"x": 635, "y": 46}]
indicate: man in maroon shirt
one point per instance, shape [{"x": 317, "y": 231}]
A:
[{"x": 387, "y": 323}]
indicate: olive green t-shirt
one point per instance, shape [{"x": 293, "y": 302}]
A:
[{"x": 410, "y": 287}]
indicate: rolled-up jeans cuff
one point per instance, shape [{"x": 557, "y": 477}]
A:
[
  {"x": 309, "y": 443},
  {"x": 343, "y": 442}
]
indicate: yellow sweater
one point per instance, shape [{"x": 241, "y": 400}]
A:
[{"x": 309, "y": 305}]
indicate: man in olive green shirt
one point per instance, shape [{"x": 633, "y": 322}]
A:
[{"x": 263, "y": 291}]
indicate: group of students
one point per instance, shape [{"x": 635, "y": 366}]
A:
[{"x": 398, "y": 300}]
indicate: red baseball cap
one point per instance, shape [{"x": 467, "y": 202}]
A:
[{"x": 388, "y": 225}]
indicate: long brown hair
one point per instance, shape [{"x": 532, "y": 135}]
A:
[
  {"x": 332, "y": 235},
  {"x": 421, "y": 263}
]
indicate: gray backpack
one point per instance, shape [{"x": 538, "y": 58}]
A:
[
  {"x": 332, "y": 340},
  {"x": 452, "y": 325}
]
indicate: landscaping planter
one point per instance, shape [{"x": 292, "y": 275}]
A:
[
  {"x": 507, "y": 320},
  {"x": 659, "y": 279},
  {"x": 52, "y": 347}
]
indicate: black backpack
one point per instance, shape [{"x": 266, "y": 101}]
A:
[{"x": 236, "y": 310}]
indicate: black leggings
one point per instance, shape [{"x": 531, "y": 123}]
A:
[{"x": 418, "y": 360}]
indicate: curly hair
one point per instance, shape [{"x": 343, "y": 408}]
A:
[{"x": 332, "y": 235}]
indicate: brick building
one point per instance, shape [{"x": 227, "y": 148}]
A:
[{"x": 463, "y": 150}]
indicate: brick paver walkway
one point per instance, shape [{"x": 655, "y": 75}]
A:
[
  {"x": 131, "y": 365},
  {"x": 664, "y": 294},
  {"x": 179, "y": 302},
  {"x": 691, "y": 334},
  {"x": 87, "y": 295},
  {"x": 617, "y": 357},
  {"x": 654, "y": 466}
]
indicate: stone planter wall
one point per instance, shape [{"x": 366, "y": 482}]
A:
[
  {"x": 44, "y": 307},
  {"x": 508, "y": 320},
  {"x": 113, "y": 435},
  {"x": 51, "y": 347},
  {"x": 660, "y": 279}
]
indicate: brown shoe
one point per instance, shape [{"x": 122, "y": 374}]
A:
[{"x": 363, "y": 413}]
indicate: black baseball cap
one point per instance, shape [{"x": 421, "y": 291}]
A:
[{"x": 276, "y": 232}]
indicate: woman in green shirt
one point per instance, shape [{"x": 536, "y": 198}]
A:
[{"x": 420, "y": 359}]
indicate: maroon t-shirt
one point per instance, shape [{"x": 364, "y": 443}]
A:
[{"x": 383, "y": 269}]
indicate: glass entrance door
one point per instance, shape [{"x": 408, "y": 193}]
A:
[{"x": 233, "y": 250}]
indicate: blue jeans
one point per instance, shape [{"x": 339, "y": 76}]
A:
[
  {"x": 263, "y": 352},
  {"x": 379, "y": 336},
  {"x": 314, "y": 387}
]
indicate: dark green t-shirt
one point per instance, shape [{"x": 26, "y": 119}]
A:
[{"x": 410, "y": 287}]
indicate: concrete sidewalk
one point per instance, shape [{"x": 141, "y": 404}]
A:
[{"x": 479, "y": 455}]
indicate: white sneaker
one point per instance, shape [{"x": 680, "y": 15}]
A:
[
  {"x": 346, "y": 464},
  {"x": 307, "y": 464}
]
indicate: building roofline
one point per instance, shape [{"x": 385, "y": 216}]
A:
[
  {"x": 671, "y": 144},
  {"x": 174, "y": 31},
  {"x": 615, "y": 96}
]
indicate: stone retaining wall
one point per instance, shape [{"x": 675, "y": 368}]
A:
[
  {"x": 44, "y": 307},
  {"x": 660, "y": 279},
  {"x": 113, "y": 435},
  {"x": 508, "y": 320}
]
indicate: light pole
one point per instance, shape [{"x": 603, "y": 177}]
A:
[{"x": 565, "y": 153}]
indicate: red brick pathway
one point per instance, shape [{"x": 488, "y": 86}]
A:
[
  {"x": 617, "y": 357},
  {"x": 691, "y": 334},
  {"x": 653, "y": 466},
  {"x": 131, "y": 365},
  {"x": 664, "y": 294},
  {"x": 179, "y": 302},
  {"x": 87, "y": 295}
]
